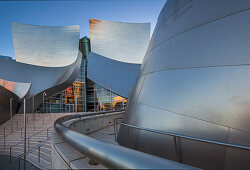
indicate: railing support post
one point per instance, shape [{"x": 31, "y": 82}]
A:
[
  {"x": 4, "y": 137},
  {"x": 39, "y": 154},
  {"x": 21, "y": 132},
  {"x": 47, "y": 133},
  {"x": 19, "y": 163},
  {"x": 28, "y": 144},
  {"x": 177, "y": 150},
  {"x": 115, "y": 129},
  {"x": 10, "y": 154}
]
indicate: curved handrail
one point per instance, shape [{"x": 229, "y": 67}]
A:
[
  {"x": 110, "y": 155},
  {"x": 31, "y": 123},
  {"x": 186, "y": 137},
  {"x": 31, "y": 136}
]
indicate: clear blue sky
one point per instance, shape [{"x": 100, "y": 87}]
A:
[{"x": 62, "y": 13}]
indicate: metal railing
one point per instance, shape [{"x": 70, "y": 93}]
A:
[
  {"x": 110, "y": 155},
  {"x": 21, "y": 128},
  {"x": 37, "y": 146},
  {"x": 29, "y": 138},
  {"x": 176, "y": 138}
]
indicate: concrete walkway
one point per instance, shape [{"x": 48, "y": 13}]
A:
[{"x": 38, "y": 128}]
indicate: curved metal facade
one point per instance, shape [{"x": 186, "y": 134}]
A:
[
  {"x": 117, "y": 51},
  {"x": 194, "y": 81},
  {"x": 20, "y": 89},
  {"x": 49, "y": 46},
  {"x": 50, "y": 80},
  {"x": 111, "y": 73},
  {"x": 10, "y": 96},
  {"x": 124, "y": 42}
]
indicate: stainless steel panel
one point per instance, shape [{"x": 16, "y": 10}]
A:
[
  {"x": 136, "y": 91},
  {"x": 20, "y": 89},
  {"x": 118, "y": 76},
  {"x": 237, "y": 158},
  {"x": 129, "y": 140},
  {"x": 163, "y": 145},
  {"x": 215, "y": 94},
  {"x": 212, "y": 44},
  {"x": 203, "y": 155},
  {"x": 171, "y": 122},
  {"x": 50, "y": 46},
  {"x": 194, "y": 14},
  {"x": 61, "y": 82},
  {"x": 149, "y": 61},
  {"x": 124, "y": 42},
  {"x": 43, "y": 44},
  {"x": 199, "y": 84},
  {"x": 5, "y": 97},
  {"x": 169, "y": 9}
]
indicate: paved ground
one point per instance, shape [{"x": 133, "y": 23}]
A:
[{"x": 37, "y": 131}]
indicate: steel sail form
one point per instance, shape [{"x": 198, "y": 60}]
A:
[
  {"x": 194, "y": 81},
  {"x": 47, "y": 57},
  {"x": 11, "y": 94},
  {"x": 117, "y": 49}
]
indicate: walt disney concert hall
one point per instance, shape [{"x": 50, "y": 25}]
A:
[{"x": 187, "y": 89}]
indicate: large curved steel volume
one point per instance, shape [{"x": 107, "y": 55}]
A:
[
  {"x": 194, "y": 81},
  {"x": 47, "y": 57}
]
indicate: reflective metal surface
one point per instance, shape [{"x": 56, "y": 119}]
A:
[
  {"x": 20, "y": 89},
  {"x": 110, "y": 155},
  {"x": 124, "y": 42},
  {"x": 50, "y": 80},
  {"x": 50, "y": 46},
  {"x": 117, "y": 51},
  {"x": 194, "y": 82},
  {"x": 112, "y": 74},
  {"x": 9, "y": 99}
]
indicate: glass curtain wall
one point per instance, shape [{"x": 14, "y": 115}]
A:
[
  {"x": 72, "y": 99},
  {"x": 83, "y": 95},
  {"x": 101, "y": 99}
]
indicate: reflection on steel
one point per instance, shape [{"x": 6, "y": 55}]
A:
[
  {"x": 20, "y": 89},
  {"x": 187, "y": 137},
  {"x": 10, "y": 97},
  {"x": 124, "y": 42},
  {"x": 110, "y": 155},
  {"x": 50, "y": 46},
  {"x": 194, "y": 81},
  {"x": 111, "y": 73},
  {"x": 50, "y": 80},
  {"x": 117, "y": 51}
]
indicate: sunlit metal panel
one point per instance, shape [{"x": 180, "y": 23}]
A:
[
  {"x": 125, "y": 42},
  {"x": 48, "y": 59},
  {"x": 194, "y": 81},
  {"x": 117, "y": 51},
  {"x": 20, "y": 89},
  {"x": 118, "y": 76},
  {"x": 50, "y": 46}
]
